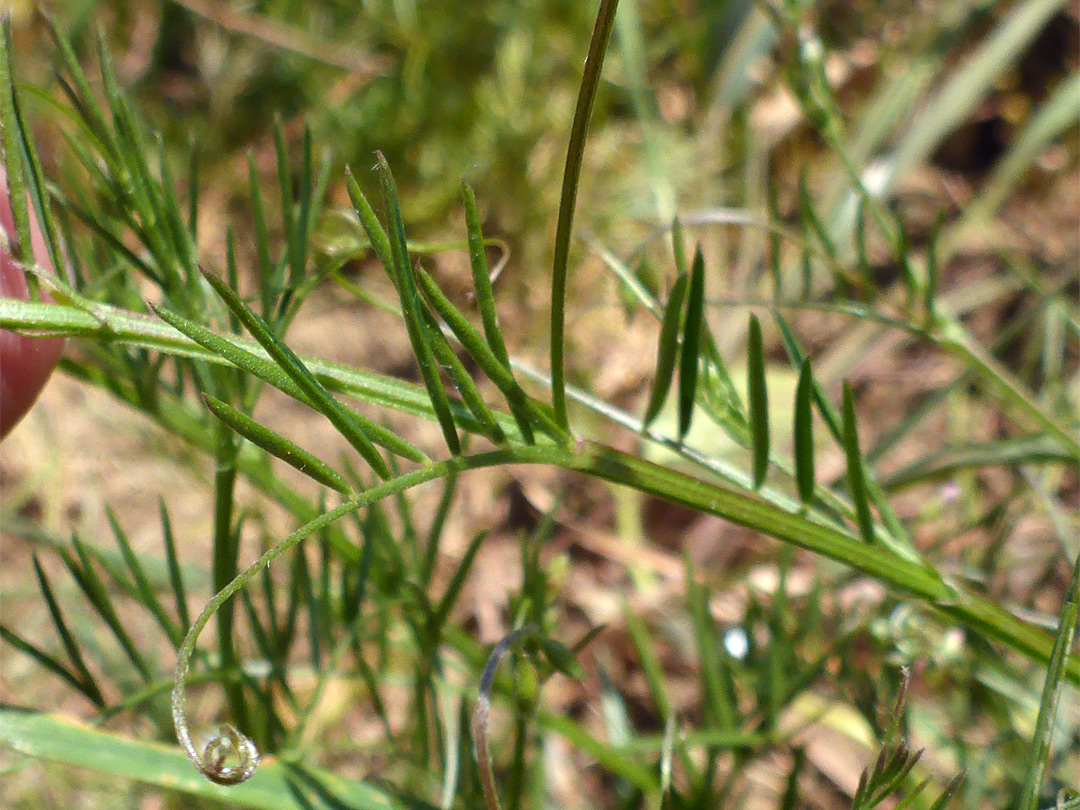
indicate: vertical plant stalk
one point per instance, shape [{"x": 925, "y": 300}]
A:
[
  {"x": 226, "y": 552},
  {"x": 479, "y": 723},
  {"x": 594, "y": 62}
]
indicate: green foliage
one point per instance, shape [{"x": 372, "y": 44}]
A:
[
  {"x": 665, "y": 353},
  {"x": 362, "y": 591}
]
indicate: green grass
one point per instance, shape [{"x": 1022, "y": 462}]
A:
[{"x": 918, "y": 593}]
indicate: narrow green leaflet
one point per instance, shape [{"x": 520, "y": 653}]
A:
[
  {"x": 176, "y": 577},
  {"x": 402, "y": 273},
  {"x": 457, "y": 582},
  {"x": 231, "y": 350},
  {"x": 50, "y": 664},
  {"x": 486, "y": 359},
  {"x": 356, "y": 429},
  {"x": 560, "y": 657},
  {"x": 691, "y": 345},
  {"x": 16, "y": 181},
  {"x": 678, "y": 245},
  {"x": 804, "y": 433},
  {"x": 71, "y": 646},
  {"x": 759, "y": 402},
  {"x": 146, "y": 593},
  {"x": 98, "y": 595},
  {"x": 11, "y": 115},
  {"x": 288, "y": 216},
  {"x": 485, "y": 296},
  {"x": 277, "y": 445},
  {"x": 461, "y": 379},
  {"x": 265, "y": 273},
  {"x": 667, "y": 350},
  {"x": 855, "y": 472},
  {"x": 376, "y": 234},
  {"x": 811, "y": 218}
]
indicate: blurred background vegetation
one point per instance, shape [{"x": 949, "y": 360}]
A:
[{"x": 959, "y": 114}]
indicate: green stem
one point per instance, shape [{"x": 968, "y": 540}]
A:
[
  {"x": 226, "y": 554},
  {"x": 575, "y": 151},
  {"x": 737, "y": 507}
]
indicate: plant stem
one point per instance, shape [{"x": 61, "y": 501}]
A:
[
  {"x": 611, "y": 465},
  {"x": 575, "y": 151},
  {"x": 226, "y": 554}
]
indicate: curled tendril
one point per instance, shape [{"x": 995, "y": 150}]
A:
[
  {"x": 479, "y": 723},
  {"x": 227, "y": 744},
  {"x": 229, "y": 741},
  {"x": 211, "y": 762}
]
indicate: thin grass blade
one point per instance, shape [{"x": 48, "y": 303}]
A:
[
  {"x": 930, "y": 289},
  {"x": 193, "y": 188},
  {"x": 285, "y": 197},
  {"x": 862, "y": 261},
  {"x": 275, "y": 786},
  {"x": 174, "y": 220},
  {"x": 811, "y": 219},
  {"x": 649, "y": 661},
  {"x": 457, "y": 582},
  {"x": 718, "y": 702},
  {"x": 306, "y": 591},
  {"x": 776, "y": 273},
  {"x": 435, "y": 531},
  {"x": 1039, "y": 753},
  {"x": 678, "y": 246}
]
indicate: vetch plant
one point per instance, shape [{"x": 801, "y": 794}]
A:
[{"x": 166, "y": 332}]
